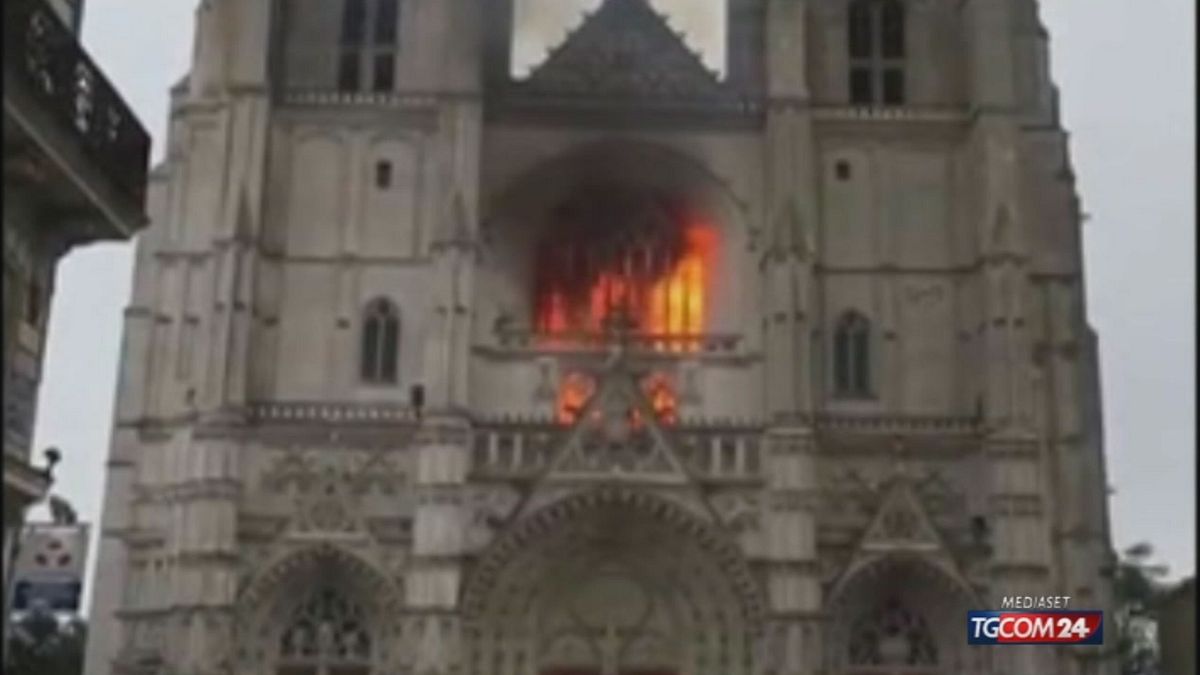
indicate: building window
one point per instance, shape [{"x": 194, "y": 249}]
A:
[
  {"x": 383, "y": 174},
  {"x": 380, "y": 342},
  {"x": 368, "y": 46},
  {"x": 842, "y": 170},
  {"x": 852, "y": 356},
  {"x": 876, "y": 44}
]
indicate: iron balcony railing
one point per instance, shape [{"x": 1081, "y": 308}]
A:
[{"x": 46, "y": 57}]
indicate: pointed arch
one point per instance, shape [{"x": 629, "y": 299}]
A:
[
  {"x": 320, "y": 609},
  {"x": 900, "y": 611},
  {"x": 852, "y": 356},
  {"x": 613, "y": 563},
  {"x": 379, "y": 358}
]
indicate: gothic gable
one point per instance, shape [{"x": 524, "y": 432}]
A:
[
  {"x": 900, "y": 530},
  {"x": 901, "y": 524},
  {"x": 624, "y": 50},
  {"x": 617, "y": 434}
]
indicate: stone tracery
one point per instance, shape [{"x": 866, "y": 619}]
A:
[
  {"x": 610, "y": 589},
  {"x": 321, "y": 611}
]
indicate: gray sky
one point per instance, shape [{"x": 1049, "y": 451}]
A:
[{"x": 1126, "y": 71}]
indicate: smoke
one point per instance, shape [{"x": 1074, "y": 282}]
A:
[{"x": 540, "y": 25}]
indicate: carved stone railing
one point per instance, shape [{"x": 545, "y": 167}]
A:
[
  {"x": 512, "y": 451},
  {"x": 331, "y": 413},
  {"x": 898, "y": 424},
  {"x": 690, "y": 344},
  {"x": 890, "y": 114},
  {"x": 46, "y": 57},
  {"x": 721, "y": 455},
  {"x": 334, "y": 97}
]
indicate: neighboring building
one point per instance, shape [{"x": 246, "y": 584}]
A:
[
  {"x": 75, "y": 161},
  {"x": 623, "y": 367},
  {"x": 70, "y": 11},
  {"x": 1176, "y": 615}
]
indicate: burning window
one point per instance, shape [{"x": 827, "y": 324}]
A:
[
  {"x": 577, "y": 390},
  {"x": 620, "y": 255}
]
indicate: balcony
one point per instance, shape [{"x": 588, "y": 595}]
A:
[{"x": 70, "y": 141}]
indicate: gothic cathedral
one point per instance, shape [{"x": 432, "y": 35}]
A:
[{"x": 624, "y": 365}]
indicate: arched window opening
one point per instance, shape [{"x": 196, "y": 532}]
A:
[
  {"x": 852, "y": 356},
  {"x": 380, "y": 343},
  {"x": 876, "y": 44},
  {"x": 891, "y": 636},
  {"x": 326, "y": 635},
  {"x": 625, "y": 260},
  {"x": 368, "y": 45}
]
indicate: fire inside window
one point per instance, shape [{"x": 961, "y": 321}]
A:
[
  {"x": 634, "y": 256},
  {"x": 577, "y": 390}
]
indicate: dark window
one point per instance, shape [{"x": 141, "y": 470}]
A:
[
  {"x": 892, "y": 29},
  {"x": 842, "y": 170},
  {"x": 386, "y": 22},
  {"x": 860, "y": 86},
  {"x": 893, "y": 86},
  {"x": 354, "y": 22},
  {"x": 369, "y": 30},
  {"x": 383, "y": 175},
  {"x": 348, "y": 71},
  {"x": 860, "y": 30},
  {"x": 380, "y": 343},
  {"x": 876, "y": 46},
  {"x": 384, "y": 72},
  {"x": 852, "y": 357}
]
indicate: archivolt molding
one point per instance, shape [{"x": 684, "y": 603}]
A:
[
  {"x": 709, "y": 536},
  {"x": 265, "y": 604},
  {"x": 681, "y": 169},
  {"x": 287, "y": 565},
  {"x": 930, "y": 568}
]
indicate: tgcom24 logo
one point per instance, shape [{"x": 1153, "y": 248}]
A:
[{"x": 1017, "y": 627}]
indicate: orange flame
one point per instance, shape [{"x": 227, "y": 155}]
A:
[
  {"x": 577, "y": 390},
  {"x": 664, "y": 298}
]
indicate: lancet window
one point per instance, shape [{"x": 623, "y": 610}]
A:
[
  {"x": 380, "y": 343},
  {"x": 876, "y": 42},
  {"x": 852, "y": 356}
]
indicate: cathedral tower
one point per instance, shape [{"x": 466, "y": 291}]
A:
[{"x": 627, "y": 364}]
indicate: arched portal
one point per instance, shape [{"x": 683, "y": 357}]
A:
[
  {"x": 612, "y": 583},
  {"x": 320, "y": 611},
  {"x": 900, "y": 615}
]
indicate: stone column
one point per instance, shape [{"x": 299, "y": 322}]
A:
[
  {"x": 439, "y": 543},
  {"x": 794, "y": 627},
  {"x": 795, "y": 623},
  {"x": 202, "y": 553}
]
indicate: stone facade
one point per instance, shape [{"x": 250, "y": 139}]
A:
[{"x": 343, "y": 442}]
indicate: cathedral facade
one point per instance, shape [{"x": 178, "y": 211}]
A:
[{"x": 623, "y": 366}]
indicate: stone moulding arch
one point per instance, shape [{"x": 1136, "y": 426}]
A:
[
  {"x": 929, "y": 575},
  {"x": 708, "y": 536},
  {"x": 273, "y": 575},
  {"x": 933, "y": 568},
  {"x": 382, "y": 599},
  {"x": 612, "y": 152}
]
